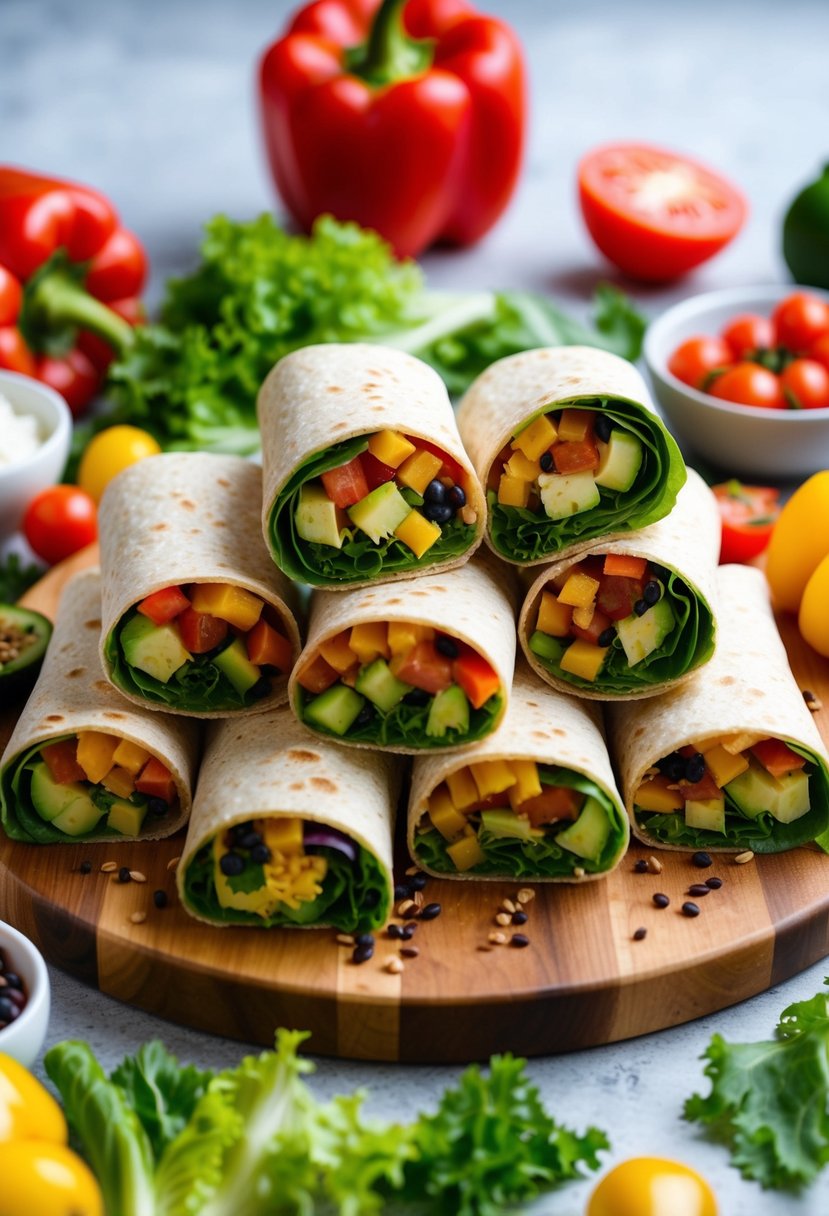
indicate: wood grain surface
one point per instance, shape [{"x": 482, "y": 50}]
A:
[{"x": 583, "y": 979}]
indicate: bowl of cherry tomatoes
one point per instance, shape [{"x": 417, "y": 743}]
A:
[{"x": 742, "y": 376}]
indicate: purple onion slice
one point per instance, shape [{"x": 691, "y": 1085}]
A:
[{"x": 329, "y": 838}]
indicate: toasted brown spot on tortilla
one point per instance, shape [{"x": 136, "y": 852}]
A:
[
  {"x": 640, "y": 730},
  {"x": 102, "y": 686},
  {"x": 297, "y": 785},
  {"x": 299, "y": 753},
  {"x": 334, "y": 388},
  {"x": 755, "y": 692},
  {"x": 339, "y": 426},
  {"x": 187, "y": 504},
  {"x": 113, "y": 715},
  {"x": 96, "y": 624},
  {"x": 414, "y": 593},
  {"x": 726, "y": 680},
  {"x": 159, "y": 527},
  {"x": 54, "y": 717},
  {"x": 322, "y": 783},
  {"x": 75, "y": 672},
  {"x": 396, "y": 600},
  {"x": 377, "y": 409},
  {"x": 195, "y": 531},
  {"x": 219, "y": 523},
  {"x": 532, "y": 704},
  {"x": 539, "y": 734},
  {"x": 222, "y": 481}
]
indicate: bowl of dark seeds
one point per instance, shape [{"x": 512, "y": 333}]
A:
[{"x": 24, "y": 996}]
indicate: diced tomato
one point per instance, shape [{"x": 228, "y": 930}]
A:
[
  {"x": 346, "y": 484},
  {"x": 688, "y": 751},
  {"x": 423, "y": 667},
  {"x": 155, "y": 781},
  {"x": 492, "y": 802},
  {"x": 497, "y": 467},
  {"x": 594, "y": 630},
  {"x": 376, "y": 473},
  {"x": 575, "y": 456},
  {"x": 476, "y": 677},
  {"x": 553, "y": 803},
  {"x": 616, "y": 596},
  {"x": 62, "y": 761},
  {"x": 200, "y": 631},
  {"x": 268, "y": 648},
  {"x": 317, "y": 675},
  {"x": 450, "y": 466},
  {"x": 776, "y": 758},
  {"x": 163, "y": 606},
  {"x": 701, "y": 790},
  {"x": 624, "y": 565}
]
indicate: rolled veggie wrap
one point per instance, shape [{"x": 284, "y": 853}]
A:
[
  {"x": 635, "y": 624},
  {"x": 196, "y": 619},
  {"x": 537, "y": 801},
  {"x": 569, "y": 448},
  {"x": 732, "y": 760},
  {"x": 427, "y": 665},
  {"x": 289, "y": 832},
  {"x": 83, "y": 764},
  {"x": 365, "y": 475}
]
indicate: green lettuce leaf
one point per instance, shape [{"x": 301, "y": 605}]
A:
[{"x": 161, "y": 1091}]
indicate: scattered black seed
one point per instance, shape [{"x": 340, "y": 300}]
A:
[
  {"x": 652, "y": 592},
  {"x": 640, "y": 934},
  {"x": 603, "y": 426},
  {"x": 519, "y": 939},
  {"x": 231, "y": 865},
  {"x": 694, "y": 772},
  {"x": 364, "y": 939},
  {"x": 160, "y": 898},
  {"x": 417, "y": 697},
  {"x": 13, "y": 980},
  {"x": 713, "y": 884},
  {"x": 250, "y": 840},
  {"x": 124, "y": 874},
  {"x": 430, "y": 911},
  {"x": 690, "y": 909},
  {"x": 158, "y": 806},
  {"x": 519, "y": 918},
  {"x": 446, "y": 646},
  {"x": 546, "y": 461},
  {"x": 402, "y": 890},
  {"x": 661, "y": 900},
  {"x": 418, "y": 881},
  {"x": 438, "y": 513},
  {"x": 407, "y": 932},
  {"x": 409, "y": 951},
  {"x": 395, "y": 931},
  {"x": 260, "y": 854},
  {"x": 363, "y": 953},
  {"x": 699, "y": 888},
  {"x": 457, "y": 497},
  {"x": 364, "y": 716},
  {"x": 641, "y": 866},
  {"x": 435, "y": 493},
  {"x": 606, "y": 636},
  {"x": 702, "y": 860},
  {"x": 85, "y": 867},
  {"x": 641, "y": 607}
]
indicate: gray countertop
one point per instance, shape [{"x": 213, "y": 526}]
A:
[{"x": 153, "y": 103}]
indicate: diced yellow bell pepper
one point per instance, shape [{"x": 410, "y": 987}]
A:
[
  {"x": 512, "y": 492},
  {"x": 119, "y": 782},
  {"x": 574, "y": 425},
  {"x": 654, "y": 795},
  {"x": 283, "y": 835},
  {"x": 418, "y": 532},
  {"x": 337, "y": 652},
  {"x": 492, "y": 777},
  {"x": 554, "y": 618},
  {"x": 466, "y": 852},
  {"x": 96, "y": 750},
  {"x": 536, "y": 438},
  {"x": 390, "y": 447},
  {"x": 739, "y": 743},
  {"x": 584, "y": 616},
  {"x": 583, "y": 659},
  {"x": 243, "y": 901},
  {"x": 232, "y": 604},
  {"x": 370, "y": 641},
  {"x": 522, "y": 467},
  {"x": 404, "y": 636},
  {"x": 448, "y": 821},
  {"x": 462, "y": 788},
  {"x": 527, "y": 783},
  {"x": 130, "y": 756},
  {"x": 724, "y": 766},
  {"x": 418, "y": 470},
  {"x": 579, "y": 590}
]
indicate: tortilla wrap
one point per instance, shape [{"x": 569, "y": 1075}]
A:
[
  {"x": 71, "y": 695},
  {"x": 333, "y": 394},
  {"x": 747, "y": 687},
  {"x": 547, "y": 727},
  {"x": 514, "y": 391},
  {"x": 687, "y": 544},
  {"x": 475, "y": 603},
  {"x": 178, "y": 518},
  {"x": 267, "y": 769}
]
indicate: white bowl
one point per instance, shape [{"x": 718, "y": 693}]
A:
[
  {"x": 737, "y": 438},
  {"x": 24, "y": 1037},
  {"x": 20, "y": 482}
]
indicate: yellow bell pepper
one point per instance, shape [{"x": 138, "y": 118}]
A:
[
  {"x": 42, "y": 1179},
  {"x": 799, "y": 542},
  {"x": 27, "y": 1110}
]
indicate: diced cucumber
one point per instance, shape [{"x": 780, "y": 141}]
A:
[
  {"x": 546, "y": 647},
  {"x": 588, "y": 835},
  {"x": 315, "y": 517},
  {"x": 707, "y": 814},
  {"x": 449, "y": 711},
  {"x": 506, "y": 824},
  {"x": 565, "y": 494},
  {"x": 381, "y": 687},
  {"x": 620, "y": 462},
  {"x": 236, "y": 665},
  {"x": 380, "y": 512},
  {"x": 785, "y": 798},
  {"x": 641, "y": 635},
  {"x": 336, "y": 709},
  {"x": 155, "y": 649}
]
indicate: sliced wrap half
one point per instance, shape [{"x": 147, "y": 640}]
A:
[
  {"x": 308, "y": 827},
  {"x": 83, "y": 764},
  {"x": 196, "y": 619},
  {"x": 569, "y": 447},
  {"x": 425, "y": 665},
  {"x": 731, "y": 760},
  {"x": 632, "y": 633},
  {"x": 537, "y": 801},
  {"x": 365, "y": 476}
]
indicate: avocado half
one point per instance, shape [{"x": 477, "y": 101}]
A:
[{"x": 24, "y": 636}]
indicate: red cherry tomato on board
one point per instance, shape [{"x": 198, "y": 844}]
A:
[
  {"x": 695, "y": 359},
  {"x": 805, "y": 384},
  {"x": 656, "y": 214},
  {"x": 59, "y": 521},
  {"x": 73, "y": 376},
  {"x": 749, "y": 384},
  {"x": 799, "y": 320},
  {"x": 819, "y": 350},
  {"x": 748, "y": 333},
  {"x": 748, "y": 515}
]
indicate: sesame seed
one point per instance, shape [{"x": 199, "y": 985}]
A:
[
  {"x": 109, "y": 867},
  {"x": 138, "y": 918},
  {"x": 407, "y": 906},
  {"x": 508, "y": 906},
  {"x": 743, "y": 858},
  {"x": 654, "y": 865},
  {"x": 395, "y": 966},
  {"x": 813, "y": 702},
  {"x": 345, "y": 939},
  {"x": 578, "y": 872},
  {"x": 412, "y": 870},
  {"x": 137, "y": 876},
  {"x": 503, "y": 918},
  {"x": 172, "y": 864},
  {"x": 526, "y": 895},
  {"x": 497, "y": 939}
]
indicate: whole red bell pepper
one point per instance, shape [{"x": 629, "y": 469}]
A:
[
  {"x": 407, "y": 117},
  {"x": 70, "y": 277}
]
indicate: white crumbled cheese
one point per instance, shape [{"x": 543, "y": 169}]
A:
[{"x": 19, "y": 435}]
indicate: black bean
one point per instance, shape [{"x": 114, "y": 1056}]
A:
[
  {"x": 410, "y": 924},
  {"x": 699, "y": 889},
  {"x": 362, "y": 953},
  {"x": 640, "y": 934},
  {"x": 641, "y": 866},
  {"x": 652, "y": 592},
  {"x": 641, "y": 607},
  {"x": 364, "y": 939},
  {"x": 407, "y": 932},
  {"x": 417, "y": 697},
  {"x": 661, "y": 900},
  {"x": 430, "y": 911},
  {"x": 520, "y": 940},
  {"x": 16, "y": 997},
  {"x": 3, "y": 963},
  {"x": 260, "y": 854},
  {"x": 435, "y": 493},
  {"x": 519, "y": 918},
  {"x": 695, "y": 770},
  {"x": 457, "y": 497},
  {"x": 690, "y": 909},
  {"x": 240, "y": 830},
  {"x": 702, "y": 860},
  {"x": 13, "y": 980},
  {"x": 546, "y": 461},
  {"x": 124, "y": 874},
  {"x": 260, "y": 689},
  {"x": 603, "y": 426},
  {"x": 395, "y": 931},
  {"x": 673, "y": 767},
  {"x": 409, "y": 951},
  {"x": 402, "y": 890},
  {"x": 250, "y": 840},
  {"x": 8, "y": 1010},
  {"x": 364, "y": 716},
  {"x": 418, "y": 881},
  {"x": 606, "y": 636},
  {"x": 158, "y": 806},
  {"x": 438, "y": 513},
  {"x": 160, "y": 898},
  {"x": 85, "y": 867},
  {"x": 446, "y": 646},
  {"x": 713, "y": 884},
  {"x": 232, "y": 864}
]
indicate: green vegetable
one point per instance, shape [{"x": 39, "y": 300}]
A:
[
  {"x": 769, "y": 1101},
  {"x": 161, "y": 1091},
  {"x": 806, "y": 233},
  {"x": 15, "y": 578}
]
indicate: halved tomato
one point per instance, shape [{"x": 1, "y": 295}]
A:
[
  {"x": 423, "y": 667},
  {"x": 656, "y": 214},
  {"x": 346, "y": 484},
  {"x": 748, "y": 515},
  {"x": 616, "y": 595}
]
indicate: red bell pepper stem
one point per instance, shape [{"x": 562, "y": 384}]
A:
[
  {"x": 56, "y": 301},
  {"x": 390, "y": 54}
]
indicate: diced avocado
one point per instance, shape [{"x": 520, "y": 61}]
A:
[
  {"x": 236, "y": 665},
  {"x": 335, "y": 709},
  {"x": 240, "y": 901},
  {"x": 315, "y": 517},
  {"x": 620, "y": 461},
  {"x": 588, "y": 835},
  {"x": 77, "y": 813},
  {"x": 380, "y": 512},
  {"x": 51, "y": 798},
  {"x": 547, "y": 648},
  {"x": 449, "y": 711},
  {"x": 640, "y": 635},
  {"x": 565, "y": 494},
  {"x": 126, "y": 817},
  {"x": 382, "y": 688},
  {"x": 505, "y": 823},
  {"x": 706, "y": 813},
  {"x": 785, "y": 798},
  {"x": 155, "y": 649}
]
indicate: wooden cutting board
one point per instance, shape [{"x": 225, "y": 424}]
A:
[{"x": 582, "y": 980}]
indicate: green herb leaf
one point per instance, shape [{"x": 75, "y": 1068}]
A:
[
  {"x": 162, "y": 1092},
  {"x": 15, "y": 578}
]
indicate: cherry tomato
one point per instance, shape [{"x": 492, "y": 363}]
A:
[
  {"x": 748, "y": 515},
  {"x": 656, "y": 214},
  {"x": 695, "y": 359},
  {"x": 11, "y": 297},
  {"x": 15, "y": 355},
  {"x": 74, "y": 377},
  {"x": 749, "y": 384},
  {"x": 799, "y": 320},
  {"x": 805, "y": 384},
  {"x": 652, "y": 1186},
  {"x": 819, "y": 350},
  {"x": 59, "y": 521},
  {"x": 109, "y": 452},
  {"x": 748, "y": 333}
]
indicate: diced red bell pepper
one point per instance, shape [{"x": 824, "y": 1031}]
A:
[
  {"x": 165, "y": 605},
  {"x": 492, "y": 802},
  {"x": 776, "y": 757},
  {"x": 688, "y": 751},
  {"x": 553, "y": 803},
  {"x": 423, "y": 667},
  {"x": 317, "y": 675},
  {"x": 200, "y": 631},
  {"x": 346, "y": 484},
  {"x": 616, "y": 596},
  {"x": 476, "y": 677},
  {"x": 700, "y": 791},
  {"x": 575, "y": 456},
  {"x": 624, "y": 565},
  {"x": 376, "y": 473},
  {"x": 268, "y": 648},
  {"x": 449, "y": 468},
  {"x": 155, "y": 780},
  {"x": 497, "y": 467},
  {"x": 599, "y": 622},
  {"x": 62, "y": 761}
]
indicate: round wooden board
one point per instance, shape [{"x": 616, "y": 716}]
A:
[{"x": 582, "y": 981}]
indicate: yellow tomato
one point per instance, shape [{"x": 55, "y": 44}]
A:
[
  {"x": 799, "y": 542},
  {"x": 39, "y": 1179},
  {"x": 109, "y": 452},
  {"x": 27, "y": 1110},
  {"x": 813, "y": 617},
  {"x": 652, "y": 1186}
]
